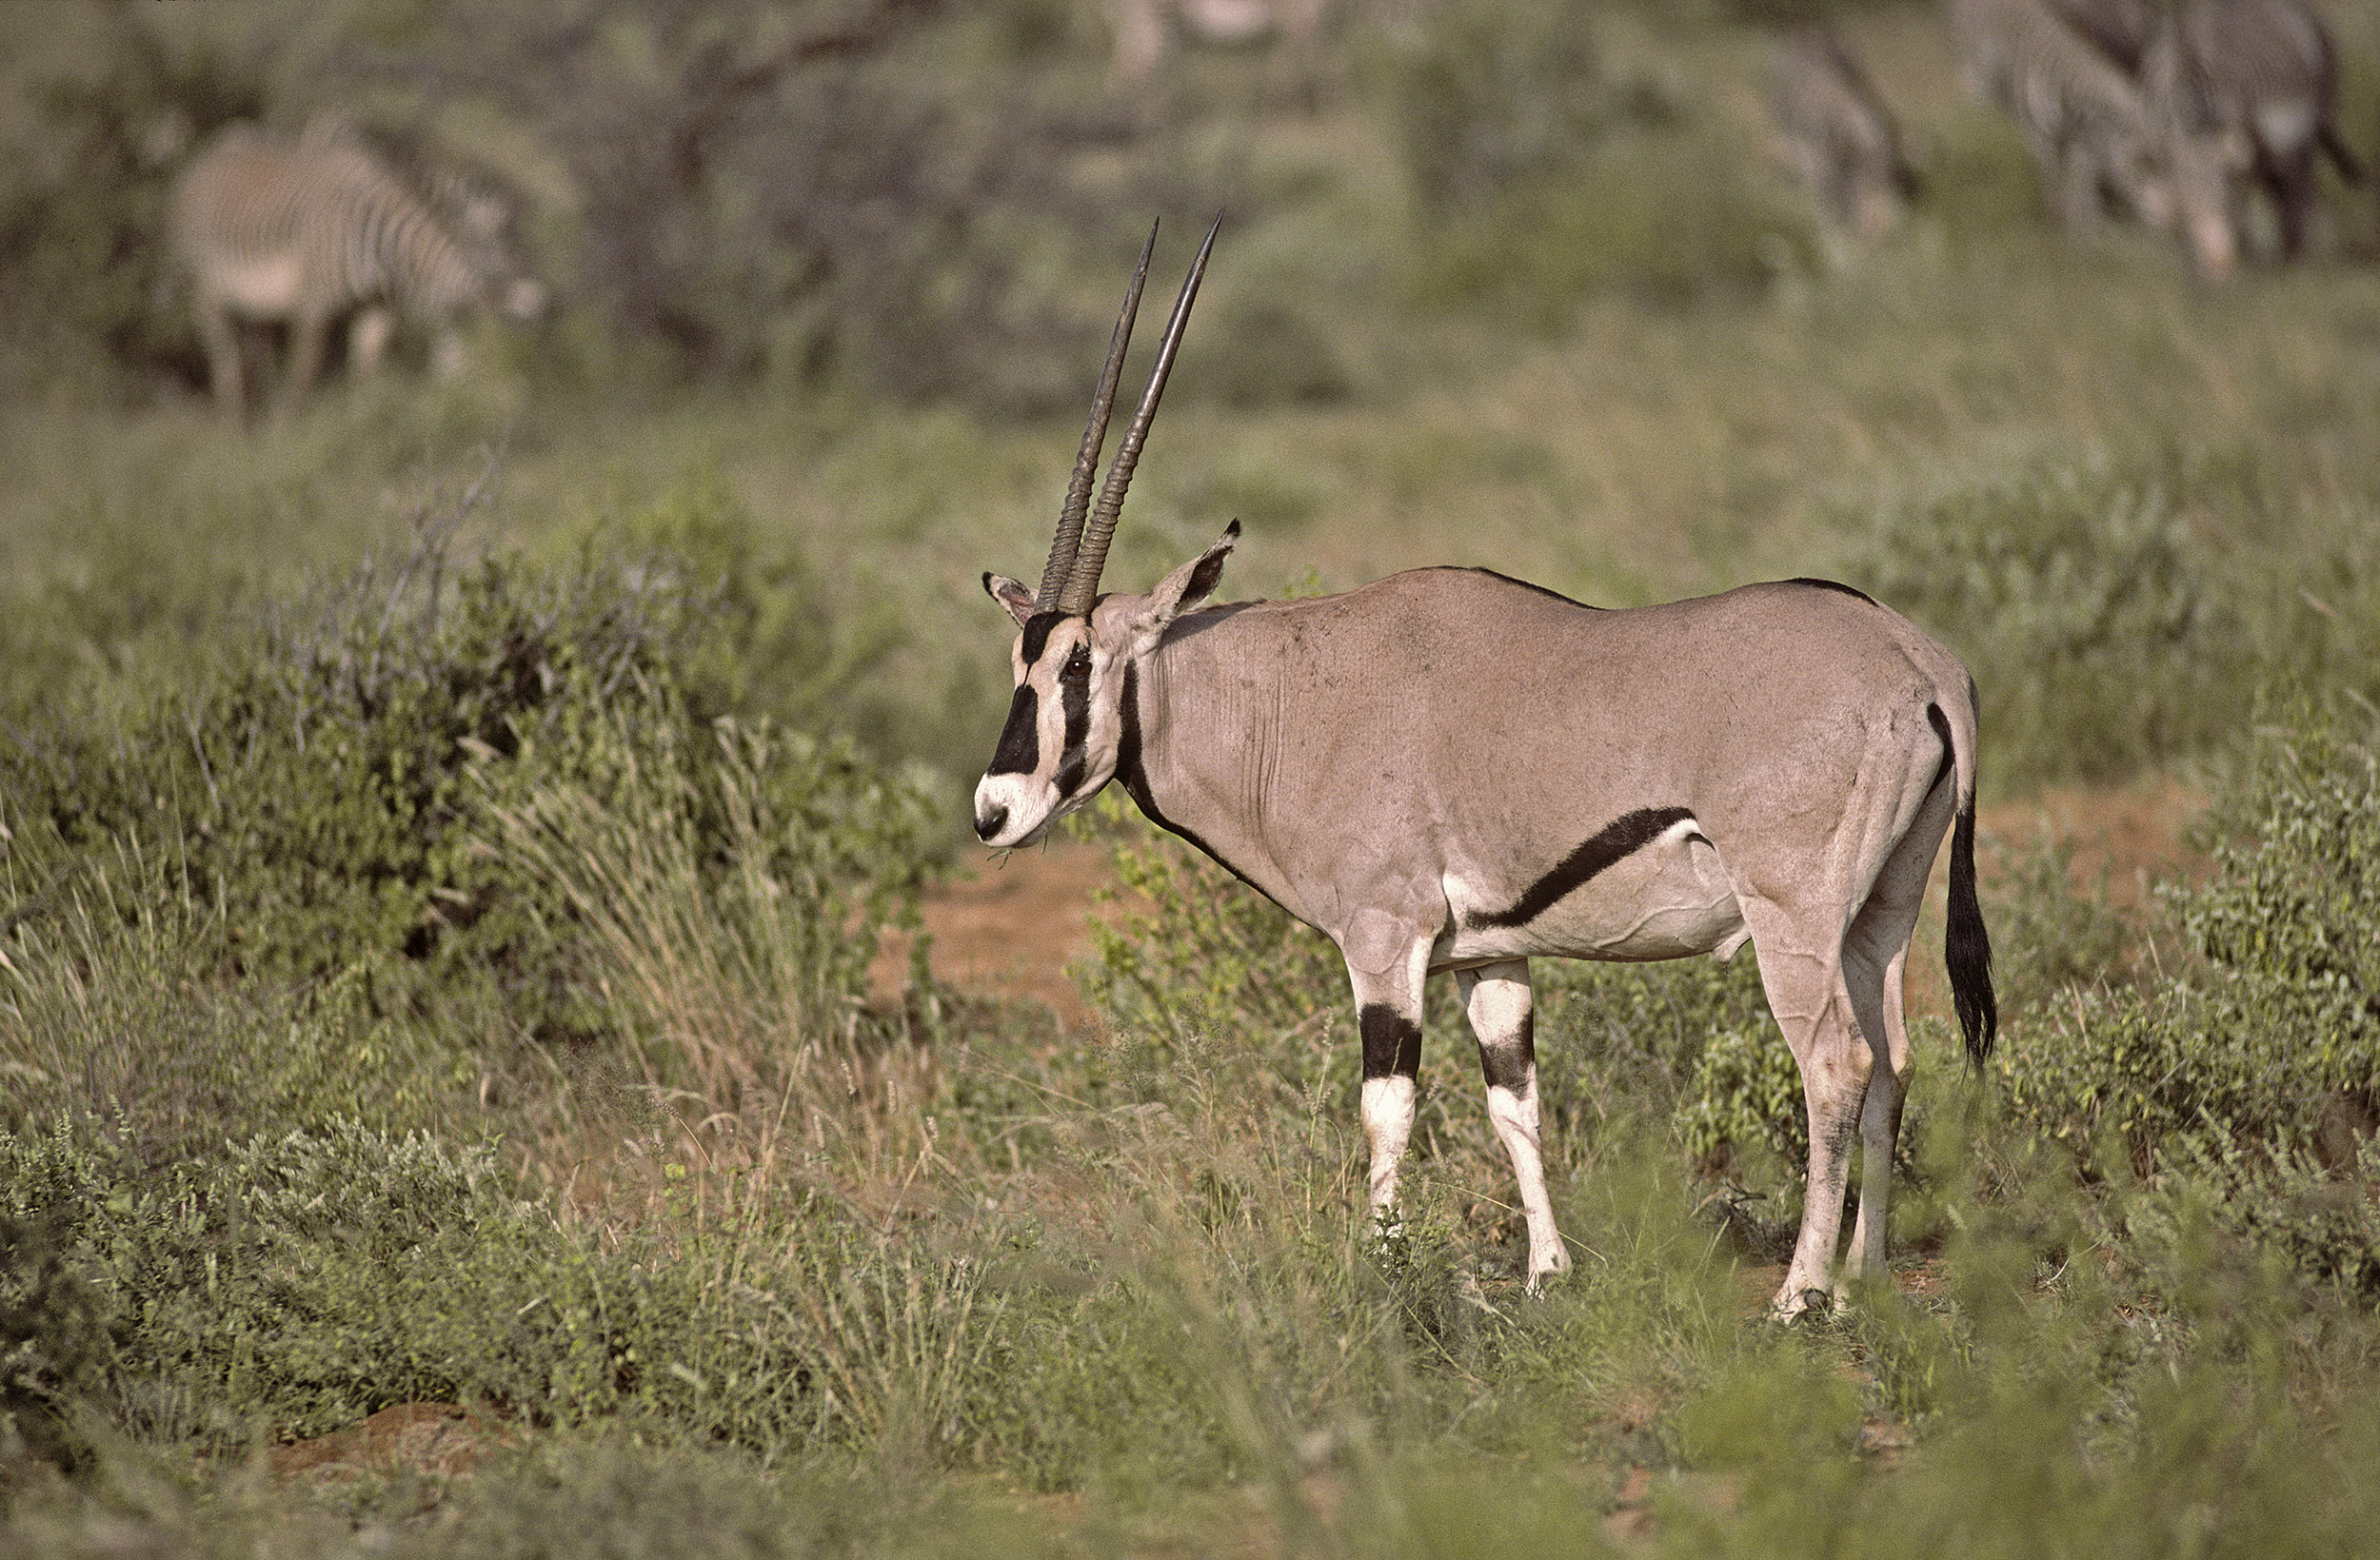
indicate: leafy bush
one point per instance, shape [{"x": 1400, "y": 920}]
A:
[
  {"x": 2285, "y": 1016},
  {"x": 1496, "y": 95},
  {"x": 2256, "y": 1077},
  {"x": 2049, "y": 934},
  {"x": 298, "y": 1283},
  {"x": 320, "y": 789}
]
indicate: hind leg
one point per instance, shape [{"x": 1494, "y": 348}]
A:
[
  {"x": 224, "y": 369},
  {"x": 1804, "y": 983},
  {"x": 1875, "y": 954}
]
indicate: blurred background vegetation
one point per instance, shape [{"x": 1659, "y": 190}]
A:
[{"x": 459, "y": 846}]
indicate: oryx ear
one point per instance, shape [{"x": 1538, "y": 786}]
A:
[
  {"x": 1187, "y": 588},
  {"x": 1012, "y": 594}
]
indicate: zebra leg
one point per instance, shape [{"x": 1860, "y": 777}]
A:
[
  {"x": 367, "y": 338},
  {"x": 2293, "y": 182},
  {"x": 1496, "y": 998},
  {"x": 307, "y": 331},
  {"x": 221, "y": 339},
  {"x": 1388, "y": 1013}
]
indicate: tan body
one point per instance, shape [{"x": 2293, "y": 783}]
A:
[{"x": 1450, "y": 770}]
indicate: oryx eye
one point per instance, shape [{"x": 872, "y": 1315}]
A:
[{"x": 1078, "y": 665}]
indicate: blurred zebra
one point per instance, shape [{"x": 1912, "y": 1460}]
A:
[
  {"x": 2089, "y": 123},
  {"x": 2254, "y": 83},
  {"x": 312, "y": 230},
  {"x": 1147, "y": 31},
  {"x": 1835, "y": 133},
  {"x": 2118, "y": 28}
]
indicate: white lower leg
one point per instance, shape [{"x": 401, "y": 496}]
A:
[
  {"x": 1515, "y": 1113},
  {"x": 1388, "y": 1123}
]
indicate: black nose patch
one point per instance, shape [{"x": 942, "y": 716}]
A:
[
  {"x": 1020, "y": 750},
  {"x": 988, "y": 824}
]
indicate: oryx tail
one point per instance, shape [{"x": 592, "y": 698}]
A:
[{"x": 1966, "y": 945}]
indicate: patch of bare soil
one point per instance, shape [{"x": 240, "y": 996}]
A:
[
  {"x": 1011, "y": 928},
  {"x": 2133, "y": 834},
  {"x": 2129, "y": 837}
]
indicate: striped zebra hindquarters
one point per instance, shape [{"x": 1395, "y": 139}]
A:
[
  {"x": 305, "y": 233},
  {"x": 2250, "y": 86}
]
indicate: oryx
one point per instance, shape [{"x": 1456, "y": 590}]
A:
[{"x": 1449, "y": 769}]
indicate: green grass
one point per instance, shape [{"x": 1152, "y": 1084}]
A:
[{"x": 442, "y": 841}]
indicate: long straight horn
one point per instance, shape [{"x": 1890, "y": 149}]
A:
[
  {"x": 1086, "y": 462},
  {"x": 1084, "y": 583}
]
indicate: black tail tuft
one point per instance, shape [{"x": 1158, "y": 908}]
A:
[{"x": 1967, "y": 947}]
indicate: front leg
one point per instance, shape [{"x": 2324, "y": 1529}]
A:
[
  {"x": 1388, "y": 1013},
  {"x": 1496, "y": 998},
  {"x": 1392, "y": 1069}
]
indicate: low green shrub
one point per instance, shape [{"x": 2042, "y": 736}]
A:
[
  {"x": 2050, "y": 932},
  {"x": 114, "y": 1003},
  {"x": 296, "y": 1284},
  {"x": 2254, "y": 1077},
  {"x": 2108, "y": 625}
]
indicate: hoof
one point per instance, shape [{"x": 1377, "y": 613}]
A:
[{"x": 1790, "y": 1307}]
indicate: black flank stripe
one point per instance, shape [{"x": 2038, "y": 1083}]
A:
[
  {"x": 1392, "y": 1043},
  {"x": 1834, "y": 584},
  {"x": 1020, "y": 750},
  {"x": 1128, "y": 769},
  {"x": 1622, "y": 837}
]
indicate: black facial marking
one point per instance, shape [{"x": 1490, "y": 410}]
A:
[
  {"x": 1832, "y": 584},
  {"x": 1074, "y": 698},
  {"x": 1020, "y": 750},
  {"x": 1621, "y": 838},
  {"x": 1507, "y": 1066},
  {"x": 1037, "y": 629},
  {"x": 1392, "y": 1043},
  {"x": 1135, "y": 781},
  {"x": 1531, "y": 584}
]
